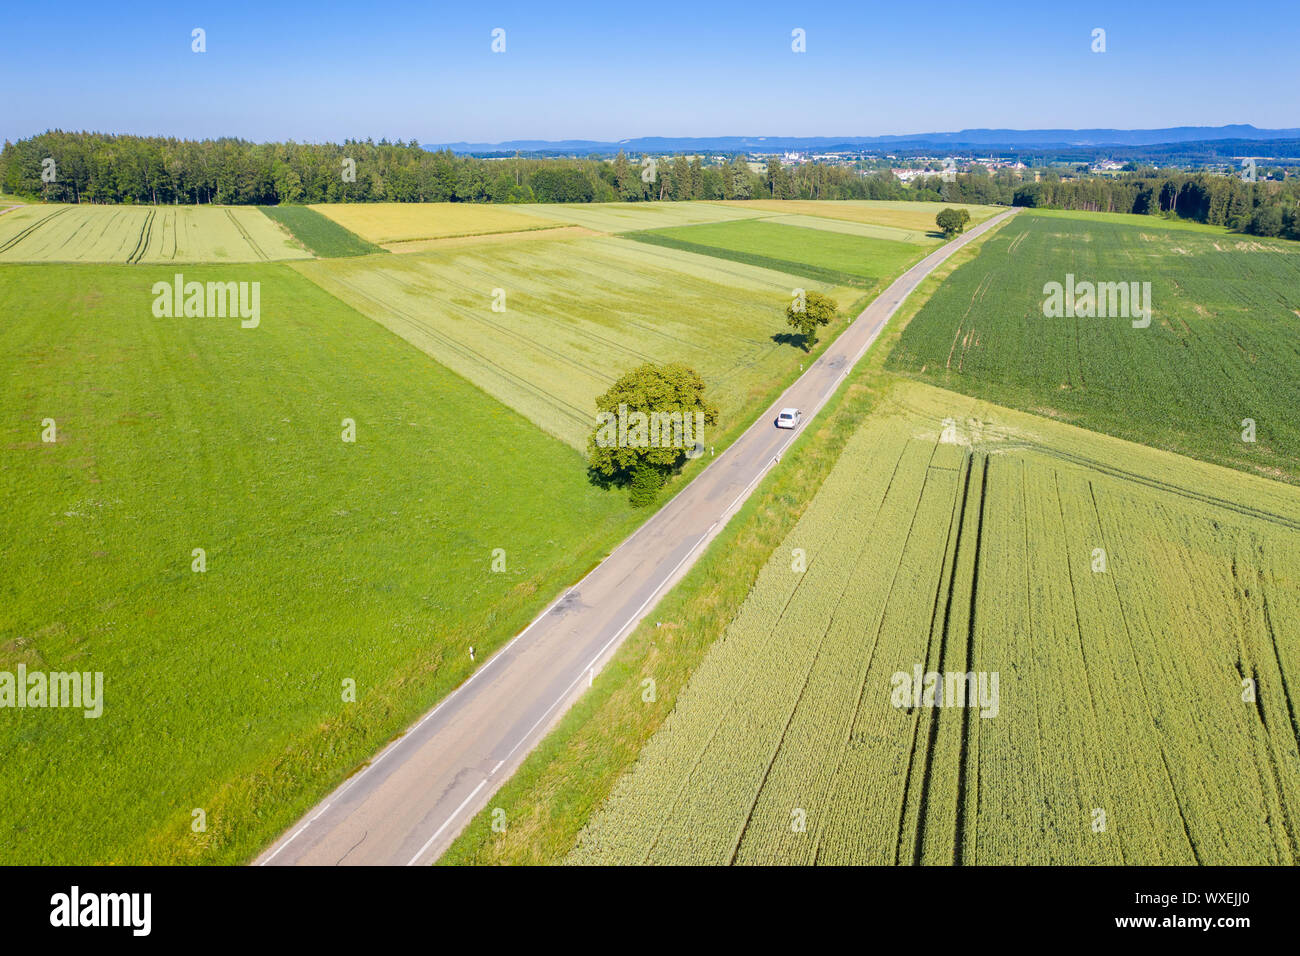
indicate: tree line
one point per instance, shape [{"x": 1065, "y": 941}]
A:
[
  {"x": 104, "y": 168},
  {"x": 1257, "y": 208},
  {"x": 63, "y": 166}
]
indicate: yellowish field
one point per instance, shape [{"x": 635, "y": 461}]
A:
[
  {"x": 632, "y": 216},
  {"x": 150, "y": 234},
  {"x": 384, "y": 223},
  {"x": 486, "y": 238},
  {"x": 912, "y": 216}
]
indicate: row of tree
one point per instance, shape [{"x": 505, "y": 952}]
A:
[
  {"x": 1258, "y": 208},
  {"x": 96, "y": 167},
  {"x": 100, "y": 168}
]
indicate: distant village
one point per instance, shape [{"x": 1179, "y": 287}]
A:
[{"x": 908, "y": 168}]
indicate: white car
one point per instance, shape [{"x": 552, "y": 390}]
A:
[{"x": 788, "y": 418}]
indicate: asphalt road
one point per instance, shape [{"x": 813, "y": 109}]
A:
[{"x": 413, "y": 799}]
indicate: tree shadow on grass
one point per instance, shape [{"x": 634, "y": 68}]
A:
[
  {"x": 606, "y": 482},
  {"x": 797, "y": 339}
]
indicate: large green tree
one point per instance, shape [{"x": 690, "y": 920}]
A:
[
  {"x": 647, "y": 424},
  {"x": 807, "y": 312},
  {"x": 952, "y": 221}
]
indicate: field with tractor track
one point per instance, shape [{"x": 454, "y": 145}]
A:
[
  {"x": 146, "y": 234},
  {"x": 546, "y": 327},
  {"x": 1115, "y": 682}
]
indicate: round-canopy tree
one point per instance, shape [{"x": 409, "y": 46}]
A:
[
  {"x": 808, "y": 311},
  {"x": 649, "y": 422},
  {"x": 952, "y": 221}
]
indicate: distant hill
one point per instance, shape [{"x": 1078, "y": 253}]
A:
[{"x": 962, "y": 140}]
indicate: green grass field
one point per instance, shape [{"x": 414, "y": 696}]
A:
[
  {"x": 321, "y": 236},
  {"x": 148, "y": 234},
  {"x": 1132, "y": 219},
  {"x": 956, "y": 536},
  {"x": 1220, "y": 348},
  {"x": 823, "y": 255},
  {"x": 577, "y": 314},
  {"x": 325, "y": 561}
]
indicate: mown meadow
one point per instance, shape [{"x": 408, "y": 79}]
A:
[
  {"x": 822, "y": 255},
  {"x": 1219, "y": 351},
  {"x": 323, "y": 561}
]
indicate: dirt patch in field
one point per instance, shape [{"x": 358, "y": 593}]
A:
[{"x": 425, "y": 245}]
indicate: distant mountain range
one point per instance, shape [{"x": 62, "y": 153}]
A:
[{"x": 963, "y": 140}]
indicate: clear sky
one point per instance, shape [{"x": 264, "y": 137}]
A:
[{"x": 625, "y": 68}]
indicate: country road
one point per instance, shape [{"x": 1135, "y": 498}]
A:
[{"x": 415, "y": 796}]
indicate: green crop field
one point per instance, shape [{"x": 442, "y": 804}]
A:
[
  {"x": 321, "y": 236},
  {"x": 1121, "y": 598},
  {"x": 576, "y": 314},
  {"x": 150, "y": 234},
  {"x": 823, "y": 255},
  {"x": 326, "y": 561},
  {"x": 1220, "y": 347}
]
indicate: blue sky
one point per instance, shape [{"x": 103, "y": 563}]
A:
[{"x": 612, "y": 70}]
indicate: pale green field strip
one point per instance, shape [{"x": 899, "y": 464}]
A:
[
  {"x": 578, "y": 314},
  {"x": 866, "y": 230},
  {"x": 907, "y": 215},
  {"x": 147, "y": 234},
  {"x": 631, "y": 216},
  {"x": 1120, "y": 690}
]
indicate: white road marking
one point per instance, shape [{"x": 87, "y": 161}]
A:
[
  {"x": 294, "y": 837},
  {"x": 437, "y": 834},
  {"x": 564, "y": 695}
]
